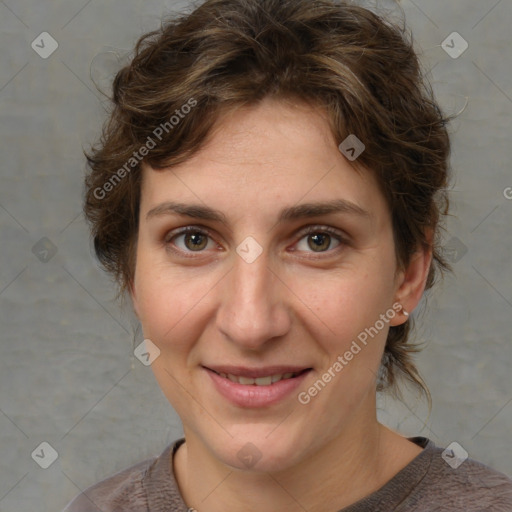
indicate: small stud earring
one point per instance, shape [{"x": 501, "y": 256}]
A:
[{"x": 405, "y": 312}]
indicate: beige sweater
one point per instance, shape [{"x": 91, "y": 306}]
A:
[{"x": 426, "y": 484}]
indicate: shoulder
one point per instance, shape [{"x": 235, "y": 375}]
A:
[
  {"x": 455, "y": 483},
  {"x": 124, "y": 491}
]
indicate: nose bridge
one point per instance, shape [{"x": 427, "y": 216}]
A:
[{"x": 252, "y": 308}]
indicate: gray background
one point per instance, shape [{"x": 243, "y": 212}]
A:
[{"x": 67, "y": 372}]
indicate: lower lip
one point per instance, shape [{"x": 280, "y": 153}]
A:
[{"x": 255, "y": 396}]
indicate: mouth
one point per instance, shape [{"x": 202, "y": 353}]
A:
[
  {"x": 266, "y": 380},
  {"x": 256, "y": 387}
]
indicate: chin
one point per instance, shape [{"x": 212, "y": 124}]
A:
[{"x": 254, "y": 450}]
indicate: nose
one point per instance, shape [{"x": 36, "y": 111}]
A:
[{"x": 254, "y": 308}]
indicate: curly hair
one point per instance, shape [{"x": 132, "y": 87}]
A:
[{"x": 359, "y": 67}]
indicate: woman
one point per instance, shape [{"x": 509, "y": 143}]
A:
[{"x": 269, "y": 190}]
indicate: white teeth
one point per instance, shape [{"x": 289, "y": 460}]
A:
[
  {"x": 263, "y": 381},
  {"x": 259, "y": 381}
]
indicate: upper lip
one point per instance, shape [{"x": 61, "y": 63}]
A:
[{"x": 244, "y": 371}]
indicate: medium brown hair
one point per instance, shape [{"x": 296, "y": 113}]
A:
[{"x": 361, "y": 69}]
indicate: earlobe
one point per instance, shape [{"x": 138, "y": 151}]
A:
[{"x": 412, "y": 283}]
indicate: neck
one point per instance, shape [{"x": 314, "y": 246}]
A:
[{"x": 344, "y": 470}]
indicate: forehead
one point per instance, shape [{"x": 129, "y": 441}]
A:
[{"x": 260, "y": 157}]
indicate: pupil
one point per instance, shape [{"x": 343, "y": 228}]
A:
[
  {"x": 320, "y": 241},
  {"x": 197, "y": 240}
]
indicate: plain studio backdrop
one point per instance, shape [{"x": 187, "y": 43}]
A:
[{"x": 68, "y": 376}]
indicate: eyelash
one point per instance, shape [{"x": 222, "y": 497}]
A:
[{"x": 324, "y": 230}]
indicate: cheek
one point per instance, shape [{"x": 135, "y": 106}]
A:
[
  {"x": 172, "y": 310},
  {"x": 171, "y": 304},
  {"x": 352, "y": 337},
  {"x": 346, "y": 303}
]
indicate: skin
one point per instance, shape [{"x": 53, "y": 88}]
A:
[{"x": 292, "y": 305}]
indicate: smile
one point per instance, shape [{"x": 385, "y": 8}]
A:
[
  {"x": 259, "y": 381},
  {"x": 253, "y": 388}
]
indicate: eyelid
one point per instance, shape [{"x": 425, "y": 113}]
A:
[
  {"x": 196, "y": 228},
  {"x": 316, "y": 228}
]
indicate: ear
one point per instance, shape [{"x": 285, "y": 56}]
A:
[{"x": 412, "y": 280}]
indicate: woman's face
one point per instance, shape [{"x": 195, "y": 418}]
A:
[{"x": 289, "y": 258}]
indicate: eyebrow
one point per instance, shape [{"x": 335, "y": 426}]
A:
[{"x": 296, "y": 212}]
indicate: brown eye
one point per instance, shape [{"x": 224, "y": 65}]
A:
[
  {"x": 195, "y": 241},
  {"x": 189, "y": 240},
  {"x": 319, "y": 242}
]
